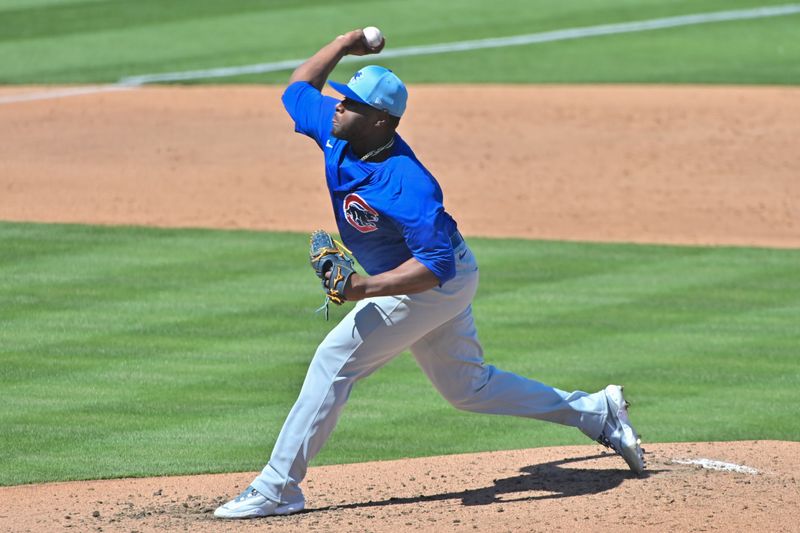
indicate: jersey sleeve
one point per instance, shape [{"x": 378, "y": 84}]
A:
[
  {"x": 419, "y": 215},
  {"x": 311, "y": 111}
]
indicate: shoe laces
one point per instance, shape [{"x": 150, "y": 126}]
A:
[
  {"x": 608, "y": 443},
  {"x": 613, "y": 427},
  {"x": 249, "y": 492}
]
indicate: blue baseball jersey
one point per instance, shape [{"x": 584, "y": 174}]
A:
[{"x": 386, "y": 212}]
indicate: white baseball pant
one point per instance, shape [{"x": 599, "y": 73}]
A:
[{"x": 437, "y": 326}]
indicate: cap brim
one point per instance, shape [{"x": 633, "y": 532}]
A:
[{"x": 346, "y": 91}]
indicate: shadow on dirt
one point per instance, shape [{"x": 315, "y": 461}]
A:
[{"x": 536, "y": 482}]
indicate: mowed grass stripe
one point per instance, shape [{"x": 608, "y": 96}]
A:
[
  {"x": 91, "y": 42},
  {"x": 564, "y": 34},
  {"x": 136, "y": 351},
  {"x": 70, "y": 18}
]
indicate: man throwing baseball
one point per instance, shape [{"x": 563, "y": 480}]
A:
[{"x": 422, "y": 278}]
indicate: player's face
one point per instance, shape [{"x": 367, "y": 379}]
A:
[{"x": 353, "y": 120}]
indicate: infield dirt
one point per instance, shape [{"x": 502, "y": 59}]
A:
[
  {"x": 684, "y": 165},
  {"x": 679, "y": 165}
]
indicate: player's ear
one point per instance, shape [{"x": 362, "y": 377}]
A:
[
  {"x": 380, "y": 119},
  {"x": 385, "y": 120}
]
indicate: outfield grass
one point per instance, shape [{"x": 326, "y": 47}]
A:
[
  {"x": 79, "y": 41},
  {"x": 132, "y": 351}
]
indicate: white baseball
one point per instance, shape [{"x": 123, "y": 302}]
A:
[{"x": 372, "y": 36}]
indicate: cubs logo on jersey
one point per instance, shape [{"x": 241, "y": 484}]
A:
[{"x": 359, "y": 214}]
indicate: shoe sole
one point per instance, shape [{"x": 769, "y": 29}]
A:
[
  {"x": 631, "y": 450},
  {"x": 630, "y": 443},
  {"x": 281, "y": 510}
]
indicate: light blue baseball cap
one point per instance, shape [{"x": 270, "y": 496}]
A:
[{"x": 378, "y": 87}]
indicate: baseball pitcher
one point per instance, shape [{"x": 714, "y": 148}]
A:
[{"x": 422, "y": 277}]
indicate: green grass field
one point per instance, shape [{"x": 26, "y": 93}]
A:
[
  {"x": 131, "y": 351},
  {"x": 80, "y": 41}
]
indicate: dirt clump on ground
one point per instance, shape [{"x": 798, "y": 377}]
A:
[{"x": 680, "y": 165}]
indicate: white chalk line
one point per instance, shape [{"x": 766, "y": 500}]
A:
[
  {"x": 129, "y": 82},
  {"x": 480, "y": 44},
  {"x": 711, "y": 464},
  {"x": 62, "y": 93}
]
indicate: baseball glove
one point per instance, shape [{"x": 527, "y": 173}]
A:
[{"x": 326, "y": 256}]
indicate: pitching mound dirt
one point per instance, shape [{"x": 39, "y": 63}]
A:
[
  {"x": 665, "y": 165},
  {"x": 576, "y": 488}
]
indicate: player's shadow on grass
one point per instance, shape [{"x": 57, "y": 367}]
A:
[{"x": 536, "y": 482}]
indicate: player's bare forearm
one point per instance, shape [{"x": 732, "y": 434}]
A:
[
  {"x": 409, "y": 278},
  {"x": 319, "y": 66}
]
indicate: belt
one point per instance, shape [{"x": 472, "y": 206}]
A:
[{"x": 456, "y": 239}]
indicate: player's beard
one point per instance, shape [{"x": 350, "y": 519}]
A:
[
  {"x": 350, "y": 126},
  {"x": 338, "y": 131}
]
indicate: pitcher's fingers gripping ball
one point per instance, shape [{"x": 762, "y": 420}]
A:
[{"x": 325, "y": 257}]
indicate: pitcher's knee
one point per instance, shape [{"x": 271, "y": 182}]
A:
[
  {"x": 469, "y": 394},
  {"x": 467, "y": 400}
]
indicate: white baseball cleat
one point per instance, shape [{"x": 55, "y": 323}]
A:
[
  {"x": 618, "y": 434},
  {"x": 252, "y": 504}
]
